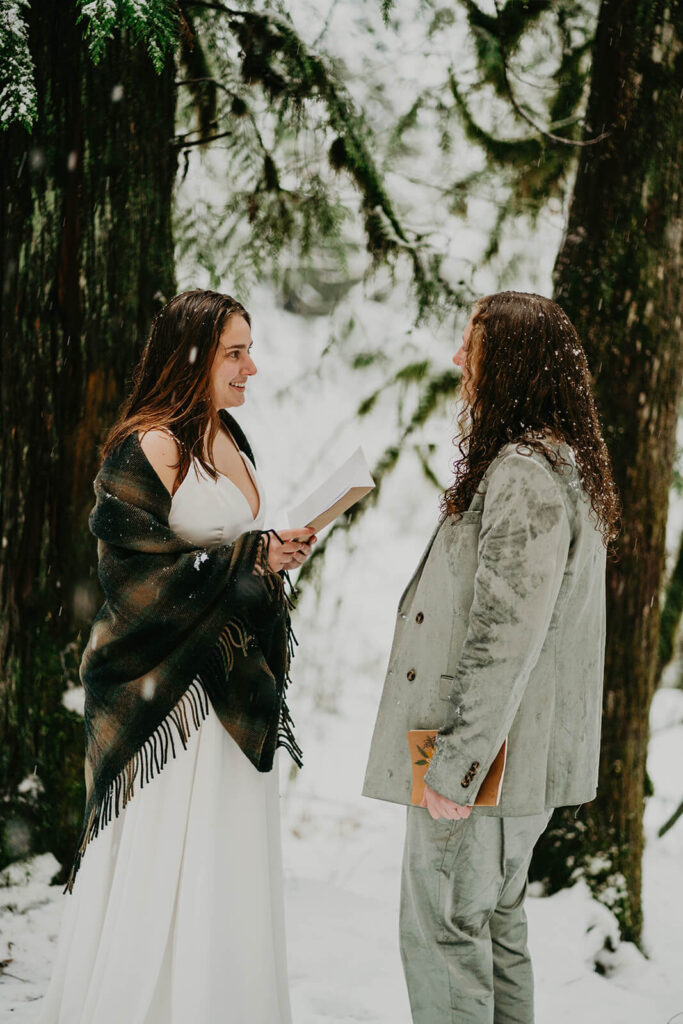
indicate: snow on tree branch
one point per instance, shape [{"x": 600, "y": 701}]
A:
[
  {"x": 152, "y": 22},
  {"x": 18, "y": 102}
]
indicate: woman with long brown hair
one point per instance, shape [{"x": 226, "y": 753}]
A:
[
  {"x": 176, "y": 907},
  {"x": 498, "y": 657}
]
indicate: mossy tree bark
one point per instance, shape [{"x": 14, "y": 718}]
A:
[
  {"x": 618, "y": 275},
  {"x": 87, "y": 256}
]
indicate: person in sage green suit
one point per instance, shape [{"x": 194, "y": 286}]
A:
[{"x": 500, "y": 633}]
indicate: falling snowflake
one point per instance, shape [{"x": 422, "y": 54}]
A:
[{"x": 148, "y": 688}]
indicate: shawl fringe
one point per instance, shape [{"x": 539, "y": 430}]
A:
[
  {"x": 285, "y": 733},
  {"x": 185, "y": 718}
]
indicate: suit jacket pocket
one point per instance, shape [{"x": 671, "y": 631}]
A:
[
  {"x": 445, "y": 687},
  {"x": 472, "y": 516}
]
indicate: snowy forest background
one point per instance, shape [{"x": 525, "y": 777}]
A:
[{"x": 356, "y": 173}]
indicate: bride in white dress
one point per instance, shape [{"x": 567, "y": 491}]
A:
[{"x": 176, "y": 915}]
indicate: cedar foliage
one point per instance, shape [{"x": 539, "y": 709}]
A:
[{"x": 271, "y": 89}]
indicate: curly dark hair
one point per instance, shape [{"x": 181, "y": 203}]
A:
[{"x": 529, "y": 382}]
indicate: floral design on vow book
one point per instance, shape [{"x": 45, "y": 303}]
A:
[{"x": 427, "y": 751}]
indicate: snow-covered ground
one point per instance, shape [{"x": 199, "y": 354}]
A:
[
  {"x": 342, "y": 852},
  {"x": 342, "y": 860}
]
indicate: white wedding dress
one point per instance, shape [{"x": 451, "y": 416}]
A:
[{"x": 177, "y": 915}]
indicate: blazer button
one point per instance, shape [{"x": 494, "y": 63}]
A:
[
  {"x": 411, "y": 674},
  {"x": 465, "y": 782},
  {"x": 474, "y": 766},
  {"x": 419, "y": 618}
]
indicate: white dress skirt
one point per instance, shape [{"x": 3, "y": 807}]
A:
[{"x": 176, "y": 915}]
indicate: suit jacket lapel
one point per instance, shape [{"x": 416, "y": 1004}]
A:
[{"x": 418, "y": 571}]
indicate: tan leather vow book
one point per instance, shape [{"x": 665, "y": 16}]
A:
[{"x": 422, "y": 743}]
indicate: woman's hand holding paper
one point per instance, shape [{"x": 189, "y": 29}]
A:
[{"x": 288, "y": 549}]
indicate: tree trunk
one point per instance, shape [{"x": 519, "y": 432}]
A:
[
  {"x": 86, "y": 255},
  {"x": 618, "y": 276}
]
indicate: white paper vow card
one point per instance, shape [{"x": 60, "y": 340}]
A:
[{"x": 347, "y": 485}]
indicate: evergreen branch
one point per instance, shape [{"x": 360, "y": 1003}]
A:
[
  {"x": 521, "y": 151},
  {"x": 412, "y": 372},
  {"x": 18, "y": 98},
  {"x": 238, "y": 108},
  {"x": 447, "y": 191},
  {"x": 181, "y": 144},
  {"x": 428, "y": 471},
  {"x": 488, "y": 31},
  {"x": 521, "y": 112},
  {"x": 571, "y": 82},
  {"x": 502, "y": 213},
  {"x": 154, "y": 23},
  {"x": 537, "y": 173},
  {"x": 262, "y": 37},
  {"x": 203, "y": 87},
  {"x": 511, "y": 22},
  {"x": 208, "y": 5},
  {"x": 671, "y": 821},
  {"x": 326, "y": 24},
  {"x": 386, "y": 6}
]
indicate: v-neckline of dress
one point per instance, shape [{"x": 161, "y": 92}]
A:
[
  {"x": 251, "y": 470},
  {"x": 239, "y": 490}
]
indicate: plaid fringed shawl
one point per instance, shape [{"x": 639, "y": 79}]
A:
[{"x": 180, "y": 626}]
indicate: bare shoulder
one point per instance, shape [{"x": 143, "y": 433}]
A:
[{"x": 161, "y": 448}]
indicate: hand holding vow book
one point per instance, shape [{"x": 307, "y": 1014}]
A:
[
  {"x": 347, "y": 485},
  {"x": 422, "y": 744}
]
